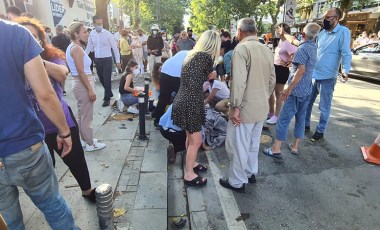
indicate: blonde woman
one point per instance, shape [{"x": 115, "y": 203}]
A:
[
  {"x": 188, "y": 108},
  {"x": 83, "y": 88}
]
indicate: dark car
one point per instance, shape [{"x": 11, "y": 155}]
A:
[{"x": 366, "y": 61}]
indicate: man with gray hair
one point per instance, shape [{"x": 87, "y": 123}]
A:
[
  {"x": 253, "y": 80},
  {"x": 297, "y": 94}
]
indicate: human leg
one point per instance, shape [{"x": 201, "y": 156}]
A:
[
  {"x": 253, "y": 161},
  {"x": 107, "y": 74},
  {"x": 99, "y": 69},
  {"x": 32, "y": 170},
  {"x": 326, "y": 90},
  {"x": 309, "y": 109},
  {"x": 194, "y": 142}
]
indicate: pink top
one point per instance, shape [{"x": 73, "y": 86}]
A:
[{"x": 283, "y": 52}]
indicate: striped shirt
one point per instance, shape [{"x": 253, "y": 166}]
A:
[{"x": 305, "y": 55}]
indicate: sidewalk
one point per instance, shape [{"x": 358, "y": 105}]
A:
[{"x": 136, "y": 170}]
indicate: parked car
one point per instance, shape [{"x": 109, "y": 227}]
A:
[{"x": 366, "y": 61}]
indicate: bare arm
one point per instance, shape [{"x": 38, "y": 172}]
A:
[
  {"x": 55, "y": 71},
  {"x": 297, "y": 77},
  {"x": 128, "y": 80},
  {"x": 210, "y": 96},
  {"x": 78, "y": 54},
  {"x": 48, "y": 101}
]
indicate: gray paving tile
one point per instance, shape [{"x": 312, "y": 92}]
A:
[
  {"x": 148, "y": 219},
  {"x": 199, "y": 220},
  {"x": 111, "y": 131},
  {"x": 176, "y": 198},
  {"x": 154, "y": 161},
  {"x": 195, "y": 198},
  {"x": 152, "y": 191}
]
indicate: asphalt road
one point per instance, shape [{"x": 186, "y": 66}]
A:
[{"x": 328, "y": 186}]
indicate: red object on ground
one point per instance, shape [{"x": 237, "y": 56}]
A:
[{"x": 371, "y": 154}]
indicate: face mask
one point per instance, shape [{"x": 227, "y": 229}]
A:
[
  {"x": 223, "y": 39},
  {"x": 154, "y": 32},
  {"x": 326, "y": 24},
  {"x": 136, "y": 71},
  {"x": 98, "y": 28},
  {"x": 164, "y": 38},
  {"x": 220, "y": 59}
]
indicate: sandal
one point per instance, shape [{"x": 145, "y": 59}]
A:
[
  {"x": 268, "y": 152},
  {"x": 198, "y": 181},
  {"x": 200, "y": 168},
  {"x": 292, "y": 151},
  {"x": 91, "y": 197}
]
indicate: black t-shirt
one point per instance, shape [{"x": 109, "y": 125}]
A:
[
  {"x": 61, "y": 41},
  {"x": 122, "y": 83}
]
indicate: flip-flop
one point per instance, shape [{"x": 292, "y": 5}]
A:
[
  {"x": 200, "y": 168},
  {"x": 196, "y": 182},
  {"x": 292, "y": 151},
  {"x": 268, "y": 152}
]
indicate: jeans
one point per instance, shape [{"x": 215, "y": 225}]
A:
[
  {"x": 128, "y": 99},
  {"x": 104, "y": 71},
  {"x": 294, "y": 106},
  {"x": 325, "y": 88},
  {"x": 32, "y": 169}
]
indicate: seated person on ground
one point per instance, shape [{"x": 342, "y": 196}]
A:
[
  {"x": 217, "y": 94},
  {"x": 126, "y": 89}
]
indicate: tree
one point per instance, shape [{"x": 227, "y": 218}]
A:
[{"x": 101, "y": 10}]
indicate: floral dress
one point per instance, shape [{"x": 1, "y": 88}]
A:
[{"x": 188, "y": 108}]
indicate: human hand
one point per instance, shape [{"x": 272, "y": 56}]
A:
[
  {"x": 118, "y": 65},
  {"x": 235, "y": 116},
  {"x": 92, "y": 95},
  {"x": 343, "y": 77},
  {"x": 285, "y": 94},
  {"x": 65, "y": 144}
]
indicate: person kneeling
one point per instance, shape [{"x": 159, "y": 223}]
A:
[{"x": 218, "y": 95}]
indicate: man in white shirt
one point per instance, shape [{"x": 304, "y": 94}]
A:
[
  {"x": 117, "y": 35},
  {"x": 101, "y": 41}
]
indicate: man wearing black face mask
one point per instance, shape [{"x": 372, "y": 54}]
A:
[{"x": 333, "y": 49}]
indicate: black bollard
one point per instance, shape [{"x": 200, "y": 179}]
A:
[
  {"x": 142, "y": 109},
  {"x": 146, "y": 91}
]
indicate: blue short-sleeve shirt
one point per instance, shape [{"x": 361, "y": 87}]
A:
[
  {"x": 306, "y": 55},
  {"x": 20, "y": 127}
]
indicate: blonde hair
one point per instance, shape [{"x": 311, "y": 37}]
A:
[
  {"x": 74, "y": 28},
  {"x": 208, "y": 42}
]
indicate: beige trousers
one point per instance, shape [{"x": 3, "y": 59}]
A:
[
  {"x": 85, "y": 109},
  {"x": 153, "y": 60}
]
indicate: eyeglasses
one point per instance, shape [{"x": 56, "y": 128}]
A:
[{"x": 331, "y": 17}]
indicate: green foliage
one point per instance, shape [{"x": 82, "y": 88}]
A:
[{"x": 168, "y": 14}]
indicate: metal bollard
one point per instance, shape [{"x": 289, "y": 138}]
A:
[
  {"x": 146, "y": 91},
  {"x": 104, "y": 206},
  {"x": 142, "y": 109}
]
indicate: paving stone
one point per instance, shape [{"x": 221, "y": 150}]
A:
[
  {"x": 152, "y": 191},
  {"x": 154, "y": 161},
  {"x": 175, "y": 170},
  {"x": 199, "y": 220},
  {"x": 148, "y": 219},
  {"x": 134, "y": 179},
  {"x": 137, "y": 165},
  {"x": 111, "y": 131},
  {"x": 132, "y": 188},
  {"x": 176, "y": 198},
  {"x": 196, "y": 197}
]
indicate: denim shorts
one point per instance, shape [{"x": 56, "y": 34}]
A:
[{"x": 128, "y": 99}]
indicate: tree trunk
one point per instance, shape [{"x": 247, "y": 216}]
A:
[
  {"x": 345, "y": 6},
  {"x": 137, "y": 20},
  {"x": 101, "y": 10},
  {"x": 274, "y": 15}
]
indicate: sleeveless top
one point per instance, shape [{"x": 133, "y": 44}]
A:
[
  {"x": 122, "y": 83},
  {"x": 70, "y": 61}
]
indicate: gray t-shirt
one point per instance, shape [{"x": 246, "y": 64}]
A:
[{"x": 185, "y": 44}]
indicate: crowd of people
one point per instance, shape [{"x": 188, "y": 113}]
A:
[
  {"x": 235, "y": 84},
  {"x": 364, "y": 38}
]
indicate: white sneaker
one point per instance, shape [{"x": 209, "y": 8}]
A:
[
  {"x": 132, "y": 109},
  {"x": 83, "y": 143},
  {"x": 272, "y": 120},
  {"x": 94, "y": 147},
  {"x": 120, "y": 106}
]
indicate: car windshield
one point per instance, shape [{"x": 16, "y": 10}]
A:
[{"x": 370, "y": 48}]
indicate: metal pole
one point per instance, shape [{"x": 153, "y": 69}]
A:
[
  {"x": 142, "y": 108},
  {"x": 146, "y": 91}
]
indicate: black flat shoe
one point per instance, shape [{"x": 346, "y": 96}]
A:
[
  {"x": 224, "y": 182},
  {"x": 252, "y": 179},
  {"x": 196, "y": 182},
  {"x": 91, "y": 197},
  {"x": 200, "y": 168},
  {"x": 106, "y": 103}
]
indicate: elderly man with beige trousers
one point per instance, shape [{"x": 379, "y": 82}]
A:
[{"x": 253, "y": 81}]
